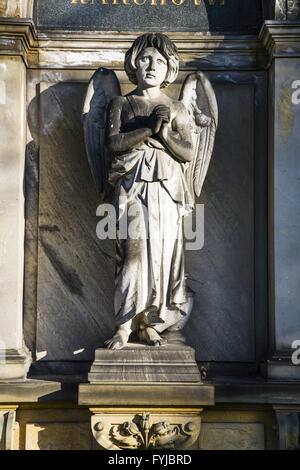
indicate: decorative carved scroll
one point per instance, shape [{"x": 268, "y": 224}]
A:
[{"x": 145, "y": 431}]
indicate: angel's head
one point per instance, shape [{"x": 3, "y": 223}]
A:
[{"x": 166, "y": 57}]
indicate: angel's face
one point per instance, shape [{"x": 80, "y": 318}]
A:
[{"x": 152, "y": 68}]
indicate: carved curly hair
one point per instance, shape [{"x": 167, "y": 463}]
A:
[{"x": 164, "y": 45}]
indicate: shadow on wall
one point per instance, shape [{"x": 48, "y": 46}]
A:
[{"x": 69, "y": 272}]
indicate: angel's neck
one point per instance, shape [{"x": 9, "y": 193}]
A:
[{"x": 150, "y": 93}]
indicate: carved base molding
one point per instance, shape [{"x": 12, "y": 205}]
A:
[
  {"x": 7, "y": 426},
  {"x": 14, "y": 364},
  {"x": 145, "y": 430},
  {"x": 288, "y": 427}
]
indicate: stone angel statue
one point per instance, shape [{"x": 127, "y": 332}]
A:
[{"x": 149, "y": 154}]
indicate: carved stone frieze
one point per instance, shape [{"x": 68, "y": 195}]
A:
[{"x": 146, "y": 430}]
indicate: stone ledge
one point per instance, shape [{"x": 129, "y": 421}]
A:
[
  {"x": 146, "y": 394},
  {"x": 255, "y": 391},
  {"x": 90, "y": 49},
  {"x": 228, "y": 390},
  {"x": 28, "y": 391},
  {"x": 281, "y": 39}
]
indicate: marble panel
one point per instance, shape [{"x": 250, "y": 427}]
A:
[
  {"x": 76, "y": 270},
  {"x": 153, "y": 15}
]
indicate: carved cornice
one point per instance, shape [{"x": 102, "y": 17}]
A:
[
  {"x": 17, "y": 37},
  {"x": 90, "y": 49},
  {"x": 281, "y": 39}
]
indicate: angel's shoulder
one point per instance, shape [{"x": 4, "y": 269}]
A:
[{"x": 180, "y": 109}]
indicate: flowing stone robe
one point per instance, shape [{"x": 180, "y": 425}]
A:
[{"x": 151, "y": 197}]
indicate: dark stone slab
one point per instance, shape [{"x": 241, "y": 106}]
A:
[
  {"x": 75, "y": 271},
  {"x": 157, "y": 15},
  {"x": 141, "y": 363},
  {"x": 255, "y": 390}
]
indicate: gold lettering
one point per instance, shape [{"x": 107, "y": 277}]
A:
[
  {"x": 142, "y": 2},
  {"x": 84, "y": 2},
  {"x": 212, "y": 2}
]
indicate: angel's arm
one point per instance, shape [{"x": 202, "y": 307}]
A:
[
  {"x": 119, "y": 142},
  {"x": 179, "y": 141}
]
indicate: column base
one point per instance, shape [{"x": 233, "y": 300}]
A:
[{"x": 14, "y": 364}]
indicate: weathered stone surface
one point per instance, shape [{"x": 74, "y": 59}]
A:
[
  {"x": 288, "y": 422},
  {"x": 160, "y": 15},
  {"x": 232, "y": 436},
  {"x": 7, "y": 426},
  {"x": 146, "y": 430},
  {"x": 141, "y": 363},
  {"x": 14, "y": 358},
  {"x": 182, "y": 395},
  {"x": 27, "y": 391},
  {"x": 58, "y": 436},
  {"x": 285, "y": 179},
  {"x": 75, "y": 272},
  {"x": 16, "y": 8}
]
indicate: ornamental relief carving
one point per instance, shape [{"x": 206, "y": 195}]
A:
[{"x": 144, "y": 431}]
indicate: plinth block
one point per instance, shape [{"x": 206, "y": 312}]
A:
[{"x": 142, "y": 363}]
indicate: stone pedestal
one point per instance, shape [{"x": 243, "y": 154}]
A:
[
  {"x": 146, "y": 415},
  {"x": 146, "y": 397},
  {"x": 141, "y": 363}
]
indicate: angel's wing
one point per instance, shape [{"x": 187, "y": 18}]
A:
[
  {"x": 103, "y": 86},
  {"x": 199, "y": 99}
]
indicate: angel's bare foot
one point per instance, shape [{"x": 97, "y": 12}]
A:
[
  {"x": 152, "y": 337},
  {"x": 120, "y": 338}
]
